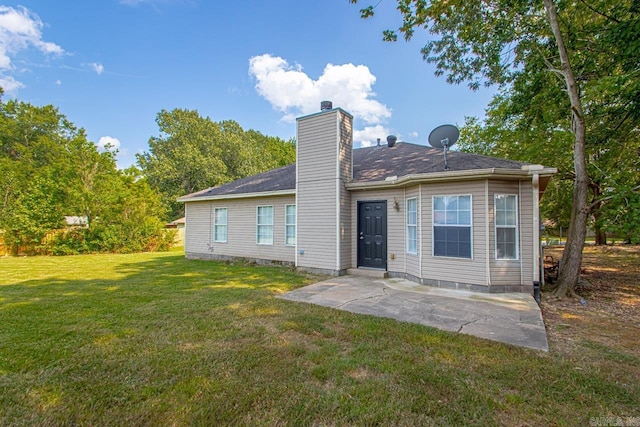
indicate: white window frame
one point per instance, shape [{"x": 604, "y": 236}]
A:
[
  {"x": 216, "y": 237},
  {"x": 288, "y": 225},
  {"x": 514, "y": 227},
  {"x": 434, "y": 225},
  {"x": 411, "y": 226},
  {"x": 266, "y": 225}
]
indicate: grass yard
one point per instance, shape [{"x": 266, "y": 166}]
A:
[{"x": 154, "y": 339}]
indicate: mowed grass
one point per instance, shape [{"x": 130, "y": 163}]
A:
[{"x": 155, "y": 339}]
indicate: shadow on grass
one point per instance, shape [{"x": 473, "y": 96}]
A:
[{"x": 157, "y": 339}]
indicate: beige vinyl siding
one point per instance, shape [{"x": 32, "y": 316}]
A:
[
  {"x": 199, "y": 227},
  {"x": 316, "y": 195},
  {"x": 317, "y": 147},
  {"x": 317, "y": 225},
  {"x": 458, "y": 270},
  {"x": 503, "y": 271},
  {"x": 346, "y": 175},
  {"x": 395, "y": 225},
  {"x": 412, "y": 264},
  {"x": 346, "y": 238},
  {"x": 346, "y": 148},
  {"x": 526, "y": 231},
  {"x": 241, "y": 229}
]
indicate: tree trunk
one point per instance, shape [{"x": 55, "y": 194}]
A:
[{"x": 569, "y": 273}]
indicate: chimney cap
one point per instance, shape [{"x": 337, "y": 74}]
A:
[{"x": 326, "y": 105}]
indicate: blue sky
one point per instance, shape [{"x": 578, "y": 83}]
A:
[{"x": 111, "y": 65}]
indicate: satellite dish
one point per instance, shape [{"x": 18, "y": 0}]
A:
[{"x": 444, "y": 136}]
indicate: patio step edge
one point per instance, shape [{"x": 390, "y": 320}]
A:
[{"x": 367, "y": 272}]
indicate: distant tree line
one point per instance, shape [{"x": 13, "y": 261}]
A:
[
  {"x": 49, "y": 170},
  {"x": 193, "y": 153}
]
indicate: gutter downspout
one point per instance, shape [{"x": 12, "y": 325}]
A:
[
  {"x": 536, "y": 236},
  {"x": 487, "y": 234}
]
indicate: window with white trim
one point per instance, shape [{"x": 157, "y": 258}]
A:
[
  {"x": 412, "y": 225},
  {"x": 220, "y": 225},
  {"x": 506, "y": 222},
  {"x": 264, "y": 225},
  {"x": 290, "y": 225},
  {"x": 452, "y": 226}
]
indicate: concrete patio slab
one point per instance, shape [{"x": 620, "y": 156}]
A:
[{"x": 512, "y": 318}]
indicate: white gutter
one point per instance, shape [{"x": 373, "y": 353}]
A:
[
  {"x": 487, "y": 233},
  {"x": 295, "y": 256},
  {"x": 237, "y": 196},
  {"x": 338, "y": 193},
  {"x": 536, "y": 228}
]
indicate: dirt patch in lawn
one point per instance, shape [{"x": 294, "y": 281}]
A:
[{"x": 608, "y": 312}]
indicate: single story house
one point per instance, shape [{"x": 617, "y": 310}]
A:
[{"x": 391, "y": 209}]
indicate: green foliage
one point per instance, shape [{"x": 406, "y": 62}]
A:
[
  {"x": 530, "y": 119},
  {"x": 193, "y": 153},
  {"x": 48, "y": 169}
]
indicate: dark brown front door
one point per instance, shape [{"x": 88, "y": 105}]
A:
[{"x": 372, "y": 234}]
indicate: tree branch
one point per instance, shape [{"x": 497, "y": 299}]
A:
[
  {"x": 603, "y": 199},
  {"x": 600, "y": 13},
  {"x": 551, "y": 67}
]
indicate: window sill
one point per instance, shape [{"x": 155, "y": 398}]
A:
[{"x": 452, "y": 258}]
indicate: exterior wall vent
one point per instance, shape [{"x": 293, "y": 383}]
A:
[{"x": 326, "y": 106}]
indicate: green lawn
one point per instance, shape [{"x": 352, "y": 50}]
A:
[{"x": 154, "y": 339}]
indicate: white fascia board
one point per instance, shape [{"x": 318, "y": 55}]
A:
[
  {"x": 451, "y": 176},
  {"x": 238, "y": 196}
]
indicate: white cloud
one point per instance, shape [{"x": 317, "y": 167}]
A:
[
  {"x": 413, "y": 134},
  {"x": 369, "y": 134},
  {"x": 20, "y": 29},
  {"x": 59, "y": 82},
  {"x": 292, "y": 92},
  {"x": 97, "y": 67},
  {"x": 108, "y": 143},
  {"x": 9, "y": 84}
]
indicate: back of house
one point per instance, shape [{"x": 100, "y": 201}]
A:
[{"x": 392, "y": 209}]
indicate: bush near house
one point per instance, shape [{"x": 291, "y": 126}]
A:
[{"x": 51, "y": 170}]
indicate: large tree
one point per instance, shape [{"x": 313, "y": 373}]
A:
[
  {"x": 495, "y": 41},
  {"x": 193, "y": 153},
  {"x": 49, "y": 170}
]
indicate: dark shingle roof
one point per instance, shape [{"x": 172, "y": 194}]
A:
[
  {"x": 369, "y": 165},
  {"x": 378, "y": 163},
  {"x": 280, "y": 179}
]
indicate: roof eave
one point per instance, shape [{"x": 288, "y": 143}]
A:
[
  {"x": 444, "y": 176},
  {"x": 189, "y": 198}
]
